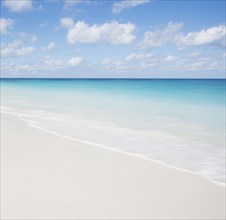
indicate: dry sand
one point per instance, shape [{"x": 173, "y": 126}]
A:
[{"x": 48, "y": 177}]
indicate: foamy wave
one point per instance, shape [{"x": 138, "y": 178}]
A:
[{"x": 153, "y": 145}]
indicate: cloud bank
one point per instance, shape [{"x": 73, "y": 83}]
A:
[{"x": 171, "y": 34}]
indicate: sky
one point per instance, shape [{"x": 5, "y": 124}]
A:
[{"x": 113, "y": 39}]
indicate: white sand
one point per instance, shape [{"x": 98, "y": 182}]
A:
[{"x": 48, "y": 177}]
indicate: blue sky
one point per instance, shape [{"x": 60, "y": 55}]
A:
[{"x": 123, "y": 38}]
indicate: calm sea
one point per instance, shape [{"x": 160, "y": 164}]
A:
[{"x": 180, "y": 122}]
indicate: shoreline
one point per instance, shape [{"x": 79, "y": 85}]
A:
[
  {"x": 46, "y": 176},
  {"x": 143, "y": 157}
]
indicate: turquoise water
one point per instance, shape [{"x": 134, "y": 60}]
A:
[{"x": 178, "y": 122}]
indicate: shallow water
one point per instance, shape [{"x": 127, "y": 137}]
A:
[{"x": 178, "y": 122}]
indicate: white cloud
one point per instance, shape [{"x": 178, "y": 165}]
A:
[
  {"x": 44, "y": 63},
  {"x": 52, "y": 63},
  {"x": 13, "y": 48},
  {"x": 34, "y": 39},
  {"x": 134, "y": 56},
  {"x": 170, "y": 58},
  {"x": 106, "y": 61},
  {"x": 18, "y": 6},
  {"x": 67, "y": 22},
  {"x": 70, "y": 3},
  {"x": 132, "y": 62},
  {"x": 170, "y": 34},
  {"x": 27, "y": 37},
  {"x": 15, "y": 44},
  {"x": 117, "y": 65},
  {"x": 142, "y": 61},
  {"x": 5, "y": 25},
  {"x": 24, "y": 67},
  {"x": 76, "y": 61},
  {"x": 9, "y": 49},
  {"x": 162, "y": 36},
  {"x": 24, "y": 51},
  {"x": 50, "y": 46},
  {"x": 215, "y": 36},
  {"x": 121, "y": 5},
  {"x": 186, "y": 62},
  {"x": 113, "y": 32},
  {"x": 6, "y": 52},
  {"x": 16, "y": 69},
  {"x": 193, "y": 62}
]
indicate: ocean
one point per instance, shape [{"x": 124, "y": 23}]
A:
[{"x": 179, "y": 122}]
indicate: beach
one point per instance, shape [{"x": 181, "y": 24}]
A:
[
  {"x": 44, "y": 176},
  {"x": 112, "y": 110}
]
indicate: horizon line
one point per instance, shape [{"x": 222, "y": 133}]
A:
[{"x": 134, "y": 78}]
